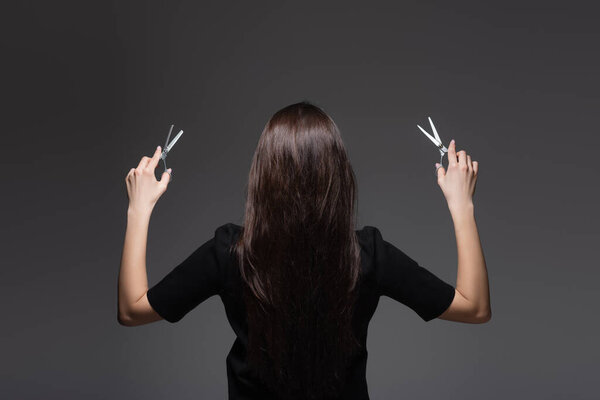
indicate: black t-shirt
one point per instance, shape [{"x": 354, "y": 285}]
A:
[{"x": 211, "y": 269}]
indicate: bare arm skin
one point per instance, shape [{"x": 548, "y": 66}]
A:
[
  {"x": 472, "y": 297},
  {"x": 144, "y": 191},
  {"x": 133, "y": 306}
]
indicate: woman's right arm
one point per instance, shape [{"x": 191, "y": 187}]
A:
[{"x": 472, "y": 298}]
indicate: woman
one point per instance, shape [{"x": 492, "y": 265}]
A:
[{"x": 299, "y": 283}]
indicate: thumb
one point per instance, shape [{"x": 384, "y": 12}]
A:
[
  {"x": 166, "y": 177},
  {"x": 440, "y": 170}
]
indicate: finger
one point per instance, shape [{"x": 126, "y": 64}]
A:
[
  {"x": 475, "y": 167},
  {"x": 143, "y": 162},
  {"x": 469, "y": 163},
  {"x": 452, "y": 153},
  {"x": 166, "y": 177},
  {"x": 440, "y": 170},
  {"x": 153, "y": 162},
  {"x": 129, "y": 174},
  {"x": 462, "y": 158}
]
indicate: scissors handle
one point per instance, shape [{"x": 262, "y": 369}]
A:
[
  {"x": 441, "y": 162},
  {"x": 165, "y": 164},
  {"x": 167, "y": 148}
]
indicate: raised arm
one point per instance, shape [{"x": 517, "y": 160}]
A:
[
  {"x": 133, "y": 306},
  {"x": 143, "y": 191},
  {"x": 472, "y": 299}
]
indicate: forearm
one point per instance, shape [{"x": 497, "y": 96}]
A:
[
  {"x": 133, "y": 279},
  {"x": 472, "y": 279}
]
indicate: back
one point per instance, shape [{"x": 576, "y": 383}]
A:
[{"x": 212, "y": 269}]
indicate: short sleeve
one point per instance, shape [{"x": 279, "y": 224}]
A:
[
  {"x": 401, "y": 278},
  {"x": 194, "y": 280}
]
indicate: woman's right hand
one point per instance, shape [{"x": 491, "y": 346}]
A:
[{"x": 458, "y": 183}]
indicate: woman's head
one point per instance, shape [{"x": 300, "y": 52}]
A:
[
  {"x": 298, "y": 253},
  {"x": 301, "y": 179}
]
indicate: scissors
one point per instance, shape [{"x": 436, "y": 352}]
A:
[
  {"x": 167, "y": 148},
  {"x": 437, "y": 141}
]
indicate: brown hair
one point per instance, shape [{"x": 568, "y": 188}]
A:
[{"x": 299, "y": 256}]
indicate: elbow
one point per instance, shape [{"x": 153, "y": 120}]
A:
[
  {"x": 124, "y": 320},
  {"x": 483, "y": 316},
  {"x": 124, "y": 316}
]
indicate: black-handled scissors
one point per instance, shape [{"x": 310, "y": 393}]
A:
[
  {"x": 437, "y": 141},
  {"x": 167, "y": 148}
]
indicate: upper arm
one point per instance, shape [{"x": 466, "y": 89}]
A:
[
  {"x": 401, "y": 278},
  {"x": 462, "y": 310},
  {"x": 141, "y": 313},
  {"x": 195, "y": 279}
]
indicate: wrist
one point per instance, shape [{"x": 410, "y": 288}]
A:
[
  {"x": 465, "y": 210},
  {"x": 133, "y": 212}
]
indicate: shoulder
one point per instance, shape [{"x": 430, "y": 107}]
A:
[
  {"x": 382, "y": 256},
  {"x": 368, "y": 237},
  {"x": 227, "y": 231},
  {"x": 226, "y": 235}
]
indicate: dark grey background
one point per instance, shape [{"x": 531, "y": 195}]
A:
[{"x": 91, "y": 87}]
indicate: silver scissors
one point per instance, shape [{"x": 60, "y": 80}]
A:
[
  {"x": 167, "y": 148},
  {"x": 436, "y": 140}
]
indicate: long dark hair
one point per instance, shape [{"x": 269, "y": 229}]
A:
[{"x": 299, "y": 256}]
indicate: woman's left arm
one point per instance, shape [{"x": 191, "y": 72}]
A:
[{"x": 144, "y": 191}]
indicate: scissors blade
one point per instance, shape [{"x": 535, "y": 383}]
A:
[
  {"x": 174, "y": 141},
  {"x": 434, "y": 140},
  {"x": 168, "y": 136},
  {"x": 434, "y": 130}
]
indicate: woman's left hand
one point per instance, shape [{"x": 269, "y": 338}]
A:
[{"x": 143, "y": 189}]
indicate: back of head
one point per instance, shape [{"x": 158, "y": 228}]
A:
[{"x": 299, "y": 256}]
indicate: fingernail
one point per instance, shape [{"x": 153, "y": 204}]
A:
[
  {"x": 169, "y": 170},
  {"x": 452, "y": 141},
  {"x": 436, "y": 164},
  {"x": 157, "y": 147}
]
